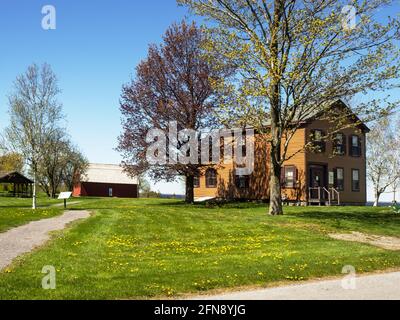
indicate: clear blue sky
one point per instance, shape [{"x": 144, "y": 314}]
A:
[{"x": 93, "y": 51}]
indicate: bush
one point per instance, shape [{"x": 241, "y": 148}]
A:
[{"x": 396, "y": 208}]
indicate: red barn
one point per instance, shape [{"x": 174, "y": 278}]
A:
[{"x": 106, "y": 180}]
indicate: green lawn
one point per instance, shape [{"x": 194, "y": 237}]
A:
[
  {"x": 150, "y": 248},
  {"x": 15, "y": 212}
]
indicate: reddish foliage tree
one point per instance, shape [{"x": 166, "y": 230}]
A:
[{"x": 174, "y": 83}]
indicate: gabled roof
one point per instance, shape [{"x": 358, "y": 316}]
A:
[
  {"x": 320, "y": 113},
  {"x": 346, "y": 108},
  {"x": 107, "y": 173},
  {"x": 14, "y": 177}
]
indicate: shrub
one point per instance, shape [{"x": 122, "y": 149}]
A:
[{"x": 396, "y": 208}]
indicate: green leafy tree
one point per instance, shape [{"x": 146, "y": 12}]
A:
[
  {"x": 35, "y": 115},
  {"x": 60, "y": 165},
  {"x": 144, "y": 186},
  {"x": 10, "y": 162},
  {"x": 383, "y": 157},
  {"x": 294, "y": 59}
]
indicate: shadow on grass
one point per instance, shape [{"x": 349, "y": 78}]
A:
[
  {"x": 212, "y": 205},
  {"x": 347, "y": 218}
]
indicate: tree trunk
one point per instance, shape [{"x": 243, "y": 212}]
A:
[
  {"x": 275, "y": 207},
  {"x": 189, "y": 189},
  {"x": 276, "y": 130},
  {"x": 377, "y": 196},
  {"x": 34, "y": 191}
]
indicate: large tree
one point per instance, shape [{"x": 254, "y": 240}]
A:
[
  {"x": 35, "y": 115},
  {"x": 75, "y": 165},
  {"x": 60, "y": 164},
  {"x": 173, "y": 84},
  {"x": 295, "y": 58},
  {"x": 11, "y": 162},
  {"x": 383, "y": 157}
]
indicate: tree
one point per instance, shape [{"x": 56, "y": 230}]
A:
[
  {"x": 10, "y": 162},
  {"x": 294, "y": 59},
  {"x": 60, "y": 165},
  {"x": 144, "y": 186},
  {"x": 35, "y": 115},
  {"x": 383, "y": 157},
  {"x": 74, "y": 167},
  {"x": 173, "y": 84}
]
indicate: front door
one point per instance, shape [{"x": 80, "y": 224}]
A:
[{"x": 317, "y": 179}]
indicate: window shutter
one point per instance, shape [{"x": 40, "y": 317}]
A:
[
  {"x": 344, "y": 145},
  {"x": 351, "y": 146},
  {"x": 283, "y": 177},
  {"x": 335, "y": 184},
  {"x": 323, "y": 142},
  {"x": 237, "y": 182},
  {"x": 359, "y": 147},
  {"x": 312, "y": 135}
]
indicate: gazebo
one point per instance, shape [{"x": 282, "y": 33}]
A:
[{"x": 22, "y": 186}]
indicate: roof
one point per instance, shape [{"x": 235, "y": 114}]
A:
[
  {"x": 324, "y": 111},
  {"x": 14, "y": 177},
  {"x": 340, "y": 103},
  {"x": 107, "y": 173}
]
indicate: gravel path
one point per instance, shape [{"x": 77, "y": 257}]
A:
[
  {"x": 68, "y": 204},
  {"x": 25, "y": 238},
  {"x": 384, "y": 286}
]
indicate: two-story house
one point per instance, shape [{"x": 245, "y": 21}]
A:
[{"x": 333, "y": 171}]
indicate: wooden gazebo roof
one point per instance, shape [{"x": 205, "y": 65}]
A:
[{"x": 14, "y": 177}]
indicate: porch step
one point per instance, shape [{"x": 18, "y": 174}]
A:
[{"x": 322, "y": 202}]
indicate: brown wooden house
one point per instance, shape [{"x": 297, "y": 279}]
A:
[{"x": 332, "y": 172}]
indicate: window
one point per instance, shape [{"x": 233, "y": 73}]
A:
[
  {"x": 355, "y": 146},
  {"x": 242, "y": 182},
  {"x": 317, "y": 137},
  {"x": 211, "y": 178},
  {"x": 339, "y": 144},
  {"x": 339, "y": 179},
  {"x": 110, "y": 192},
  {"x": 244, "y": 149},
  {"x": 196, "y": 181},
  {"x": 221, "y": 148},
  {"x": 355, "y": 183},
  {"x": 244, "y": 146},
  {"x": 289, "y": 177}
]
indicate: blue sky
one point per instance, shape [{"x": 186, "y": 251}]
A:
[{"x": 93, "y": 51}]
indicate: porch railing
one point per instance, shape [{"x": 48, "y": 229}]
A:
[{"x": 328, "y": 195}]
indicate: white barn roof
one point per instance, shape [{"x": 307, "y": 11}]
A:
[{"x": 107, "y": 173}]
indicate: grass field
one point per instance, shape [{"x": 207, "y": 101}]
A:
[
  {"x": 15, "y": 212},
  {"x": 150, "y": 248}
]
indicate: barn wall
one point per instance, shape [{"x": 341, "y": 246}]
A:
[{"x": 90, "y": 189}]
